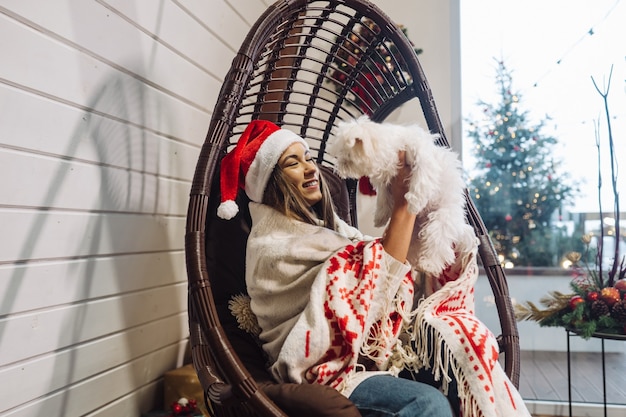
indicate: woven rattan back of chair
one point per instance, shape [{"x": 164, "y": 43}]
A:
[{"x": 307, "y": 65}]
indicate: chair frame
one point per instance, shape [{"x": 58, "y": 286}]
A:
[{"x": 275, "y": 45}]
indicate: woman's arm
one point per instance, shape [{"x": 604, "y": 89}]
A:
[{"x": 397, "y": 236}]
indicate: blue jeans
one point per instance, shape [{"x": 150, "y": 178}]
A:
[{"x": 388, "y": 396}]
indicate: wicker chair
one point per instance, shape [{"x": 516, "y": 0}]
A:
[{"x": 304, "y": 65}]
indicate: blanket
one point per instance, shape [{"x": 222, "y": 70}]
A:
[
  {"x": 364, "y": 298},
  {"x": 448, "y": 338},
  {"x": 304, "y": 278}
]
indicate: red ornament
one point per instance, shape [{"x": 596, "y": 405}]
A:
[
  {"x": 183, "y": 407},
  {"x": 177, "y": 409},
  {"x": 593, "y": 296},
  {"x": 574, "y": 301},
  {"x": 620, "y": 284},
  {"x": 610, "y": 295},
  {"x": 508, "y": 217}
]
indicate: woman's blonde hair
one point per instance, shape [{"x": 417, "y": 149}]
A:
[{"x": 283, "y": 195}]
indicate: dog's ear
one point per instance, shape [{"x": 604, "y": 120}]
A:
[{"x": 350, "y": 141}]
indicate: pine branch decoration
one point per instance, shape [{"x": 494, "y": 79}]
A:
[{"x": 554, "y": 303}]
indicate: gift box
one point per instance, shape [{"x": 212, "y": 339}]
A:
[{"x": 180, "y": 383}]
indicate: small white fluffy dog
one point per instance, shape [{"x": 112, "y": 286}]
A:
[{"x": 436, "y": 190}]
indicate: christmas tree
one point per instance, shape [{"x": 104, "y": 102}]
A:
[{"x": 516, "y": 186}]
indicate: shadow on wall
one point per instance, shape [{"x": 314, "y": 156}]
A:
[{"x": 117, "y": 275}]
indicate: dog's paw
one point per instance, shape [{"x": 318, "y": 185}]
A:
[
  {"x": 416, "y": 202},
  {"x": 436, "y": 261},
  {"x": 437, "y": 243}
]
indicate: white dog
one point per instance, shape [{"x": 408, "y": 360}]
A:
[{"x": 436, "y": 188}]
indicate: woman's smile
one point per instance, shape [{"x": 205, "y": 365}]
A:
[{"x": 301, "y": 170}]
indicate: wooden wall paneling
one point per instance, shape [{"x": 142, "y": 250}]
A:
[
  {"x": 73, "y": 77},
  {"x": 105, "y": 104},
  {"x": 40, "y": 332},
  {"x": 249, "y": 10},
  {"x": 221, "y": 20},
  {"x": 62, "y": 235},
  {"x": 54, "y": 371},
  {"x": 93, "y": 29},
  {"x": 163, "y": 21},
  {"x": 37, "y": 123},
  {"x": 37, "y": 285},
  {"x": 147, "y": 397},
  {"x": 99, "y": 390},
  {"x": 43, "y": 181}
]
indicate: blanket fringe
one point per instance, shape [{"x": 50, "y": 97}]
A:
[
  {"x": 425, "y": 348},
  {"x": 379, "y": 344}
]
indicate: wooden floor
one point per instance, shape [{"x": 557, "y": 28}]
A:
[{"x": 544, "y": 377}]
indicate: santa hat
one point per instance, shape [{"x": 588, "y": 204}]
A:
[{"x": 250, "y": 164}]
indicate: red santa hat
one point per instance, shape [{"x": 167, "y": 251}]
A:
[{"x": 249, "y": 165}]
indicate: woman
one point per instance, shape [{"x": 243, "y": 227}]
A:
[
  {"x": 295, "y": 231},
  {"x": 334, "y": 306}
]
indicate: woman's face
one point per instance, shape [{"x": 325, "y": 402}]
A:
[{"x": 301, "y": 171}]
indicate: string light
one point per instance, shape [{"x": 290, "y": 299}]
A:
[{"x": 589, "y": 33}]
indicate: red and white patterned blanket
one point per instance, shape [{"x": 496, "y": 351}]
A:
[
  {"x": 450, "y": 339},
  {"x": 444, "y": 333},
  {"x": 363, "y": 309},
  {"x": 308, "y": 279}
]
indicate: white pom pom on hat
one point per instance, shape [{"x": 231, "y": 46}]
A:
[{"x": 250, "y": 164}]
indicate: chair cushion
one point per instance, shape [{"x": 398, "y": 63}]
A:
[{"x": 310, "y": 400}]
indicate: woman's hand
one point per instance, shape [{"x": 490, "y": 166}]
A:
[{"x": 397, "y": 236}]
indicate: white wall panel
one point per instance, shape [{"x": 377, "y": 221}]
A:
[
  {"x": 50, "y": 68},
  {"x": 104, "y": 106},
  {"x": 249, "y": 10},
  {"x": 132, "y": 403},
  {"x": 40, "y": 332},
  {"x": 53, "y": 371},
  {"x": 84, "y": 186},
  {"x": 54, "y": 234},
  {"x": 163, "y": 20},
  {"x": 36, "y": 285},
  {"x": 95, "y": 30},
  {"x": 97, "y": 391},
  {"x": 221, "y": 19},
  {"x": 50, "y": 127}
]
